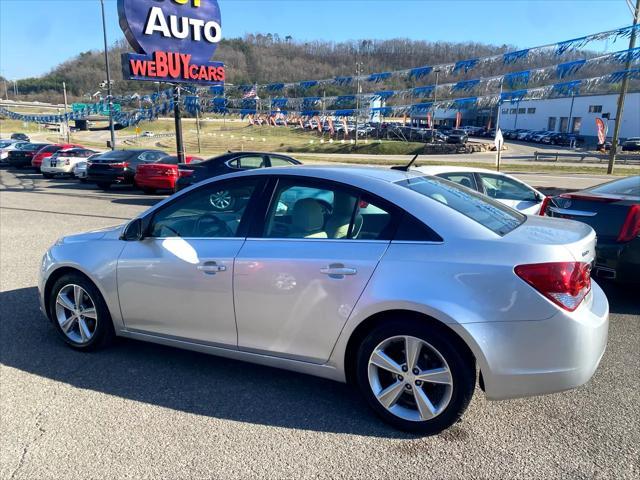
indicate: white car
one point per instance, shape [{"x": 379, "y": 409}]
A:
[
  {"x": 64, "y": 161},
  {"x": 499, "y": 186},
  {"x": 148, "y": 134},
  {"x": 6, "y": 146}
]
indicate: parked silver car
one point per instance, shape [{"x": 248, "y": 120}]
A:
[{"x": 401, "y": 283}]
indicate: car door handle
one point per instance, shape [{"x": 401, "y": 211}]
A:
[
  {"x": 211, "y": 268},
  {"x": 338, "y": 270}
]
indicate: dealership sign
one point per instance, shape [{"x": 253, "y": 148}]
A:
[{"x": 174, "y": 40}]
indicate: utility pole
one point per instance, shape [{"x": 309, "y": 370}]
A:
[
  {"x": 178, "y": 121},
  {"x": 6, "y": 91},
  {"x": 435, "y": 105},
  {"x": 110, "y": 97},
  {"x": 623, "y": 93},
  {"x": 66, "y": 117},
  {"x": 358, "y": 71}
]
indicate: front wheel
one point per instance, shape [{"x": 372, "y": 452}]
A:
[
  {"x": 415, "y": 376},
  {"x": 79, "y": 313}
]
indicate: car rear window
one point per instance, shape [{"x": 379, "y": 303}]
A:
[
  {"x": 117, "y": 155},
  {"x": 51, "y": 148},
  {"x": 493, "y": 215},
  {"x": 627, "y": 186}
]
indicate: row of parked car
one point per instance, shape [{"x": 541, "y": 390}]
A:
[{"x": 613, "y": 209}]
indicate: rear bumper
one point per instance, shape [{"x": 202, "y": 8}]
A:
[
  {"x": 526, "y": 358},
  {"x": 56, "y": 170},
  {"x": 161, "y": 183},
  {"x": 120, "y": 177},
  {"x": 618, "y": 261},
  {"x": 19, "y": 162}
]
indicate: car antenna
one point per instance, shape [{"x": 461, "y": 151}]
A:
[{"x": 406, "y": 167}]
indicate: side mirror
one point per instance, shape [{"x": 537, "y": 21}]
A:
[{"x": 133, "y": 232}]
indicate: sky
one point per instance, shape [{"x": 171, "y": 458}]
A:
[{"x": 37, "y": 35}]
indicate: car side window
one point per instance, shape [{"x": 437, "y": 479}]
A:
[
  {"x": 464, "y": 179},
  {"x": 312, "y": 211},
  {"x": 213, "y": 211},
  {"x": 280, "y": 162},
  {"x": 248, "y": 162},
  {"x": 504, "y": 188}
]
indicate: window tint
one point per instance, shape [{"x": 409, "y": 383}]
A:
[
  {"x": 627, "y": 186},
  {"x": 280, "y": 162},
  {"x": 413, "y": 230},
  {"x": 51, "y": 149},
  {"x": 309, "y": 211},
  {"x": 151, "y": 156},
  {"x": 464, "y": 179},
  {"x": 493, "y": 215},
  {"x": 214, "y": 211},
  {"x": 115, "y": 155},
  {"x": 503, "y": 188},
  {"x": 249, "y": 162}
]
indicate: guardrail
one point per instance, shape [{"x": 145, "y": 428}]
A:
[{"x": 600, "y": 158}]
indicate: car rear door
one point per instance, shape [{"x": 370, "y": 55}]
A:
[
  {"x": 301, "y": 271},
  {"x": 178, "y": 281}
]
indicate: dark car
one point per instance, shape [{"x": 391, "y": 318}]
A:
[
  {"x": 613, "y": 211},
  {"x": 229, "y": 163},
  {"x": 566, "y": 139},
  {"x": 23, "y": 154},
  {"x": 631, "y": 145},
  {"x": 119, "y": 166},
  {"x": 20, "y": 136},
  {"x": 457, "y": 136}
]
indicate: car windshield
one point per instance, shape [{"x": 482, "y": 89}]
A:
[
  {"x": 5, "y": 144},
  {"x": 629, "y": 186},
  {"x": 493, "y": 215}
]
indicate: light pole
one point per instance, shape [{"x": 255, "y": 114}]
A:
[
  {"x": 435, "y": 105},
  {"x": 109, "y": 96},
  {"x": 623, "y": 92}
]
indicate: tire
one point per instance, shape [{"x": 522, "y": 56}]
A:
[
  {"x": 438, "y": 349},
  {"x": 100, "y": 327},
  {"x": 104, "y": 185},
  {"x": 47, "y": 175}
]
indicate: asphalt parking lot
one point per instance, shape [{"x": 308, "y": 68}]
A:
[{"x": 146, "y": 411}]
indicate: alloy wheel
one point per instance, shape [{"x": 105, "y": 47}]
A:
[
  {"x": 76, "y": 314},
  {"x": 221, "y": 200},
  {"x": 410, "y": 378}
]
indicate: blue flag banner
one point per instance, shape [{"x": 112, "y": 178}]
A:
[
  {"x": 385, "y": 111},
  {"x": 420, "y": 72},
  {"x": 349, "y": 112},
  {"x": 247, "y": 111},
  {"x": 309, "y": 102},
  {"x": 566, "y": 69},
  {"x": 515, "y": 79},
  {"x": 275, "y": 87},
  {"x": 465, "y": 65},
  {"x": 567, "y": 88},
  {"x": 279, "y": 102},
  {"x": 343, "y": 80},
  {"x": 465, "y": 85},
  {"x": 342, "y": 99},
  {"x": 617, "y": 77},
  {"x": 513, "y": 57},
  {"x": 249, "y": 103},
  {"x": 421, "y": 107},
  {"x": 379, "y": 77},
  {"x": 310, "y": 113},
  {"x": 308, "y": 84},
  {"x": 245, "y": 88},
  {"x": 422, "y": 92},
  {"x": 631, "y": 55},
  {"x": 464, "y": 102}
]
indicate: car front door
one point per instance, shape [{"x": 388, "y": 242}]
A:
[
  {"x": 510, "y": 192},
  {"x": 299, "y": 277},
  {"x": 178, "y": 281}
]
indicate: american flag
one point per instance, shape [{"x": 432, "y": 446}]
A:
[{"x": 253, "y": 93}]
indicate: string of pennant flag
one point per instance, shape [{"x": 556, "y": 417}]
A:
[
  {"x": 463, "y": 66},
  {"x": 196, "y": 104}
]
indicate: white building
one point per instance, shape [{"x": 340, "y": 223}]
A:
[{"x": 573, "y": 114}]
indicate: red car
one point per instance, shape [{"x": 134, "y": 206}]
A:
[
  {"x": 46, "y": 152},
  {"x": 162, "y": 175}
]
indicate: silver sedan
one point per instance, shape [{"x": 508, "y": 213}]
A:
[{"x": 409, "y": 286}]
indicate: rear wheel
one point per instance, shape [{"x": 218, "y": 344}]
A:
[
  {"x": 415, "y": 376},
  {"x": 79, "y": 313},
  {"x": 104, "y": 185}
]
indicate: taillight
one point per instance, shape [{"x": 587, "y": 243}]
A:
[
  {"x": 589, "y": 198},
  {"x": 119, "y": 165},
  {"x": 564, "y": 283},
  {"x": 631, "y": 226},
  {"x": 185, "y": 173},
  {"x": 543, "y": 207}
]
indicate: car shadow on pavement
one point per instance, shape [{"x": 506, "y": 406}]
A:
[
  {"x": 182, "y": 380},
  {"x": 623, "y": 299}
]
